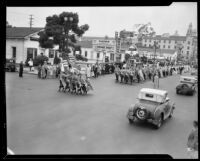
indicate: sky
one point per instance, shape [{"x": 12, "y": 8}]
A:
[{"x": 104, "y": 21}]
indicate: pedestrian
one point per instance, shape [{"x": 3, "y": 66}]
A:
[
  {"x": 46, "y": 69},
  {"x": 21, "y": 69},
  {"x": 192, "y": 143},
  {"x": 138, "y": 76},
  {"x": 156, "y": 81},
  {"x": 39, "y": 70},
  {"x": 43, "y": 72},
  {"x": 30, "y": 63},
  {"x": 88, "y": 71},
  {"x": 117, "y": 73}
]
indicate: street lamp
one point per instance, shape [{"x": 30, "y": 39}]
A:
[{"x": 66, "y": 28}]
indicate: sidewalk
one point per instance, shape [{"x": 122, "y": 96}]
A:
[{"x": 27, "y": 70}]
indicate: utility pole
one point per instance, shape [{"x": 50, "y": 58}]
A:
[{"x": 31, "y": 21}]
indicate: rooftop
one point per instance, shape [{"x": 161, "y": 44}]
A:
[
  {"x": 85, "y": 44},
  {"x": 154, "y": 91},
  {"x": 173, "y": 37},
  {"x": 170, "y": 51},
  {"x": 21, "y": 32},
  {"x": 94, "y": 37}
]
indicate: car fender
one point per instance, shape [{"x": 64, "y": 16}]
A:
[{"x": 157, "y": 113}]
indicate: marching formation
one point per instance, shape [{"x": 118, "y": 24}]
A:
[
  {"x": 142, "y": 73},
  {"x": 74, "y": 82}
]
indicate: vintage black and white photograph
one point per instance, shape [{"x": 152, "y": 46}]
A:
[{"x": 102, "y": 80}]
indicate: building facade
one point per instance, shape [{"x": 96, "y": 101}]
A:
[
  {"x": 167, "y": 45},
  {"x": 22, "y": 44},
  {"x": 98, "y": 49}
]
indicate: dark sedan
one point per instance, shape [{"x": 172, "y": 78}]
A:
[{"x": 185, "y": 89}]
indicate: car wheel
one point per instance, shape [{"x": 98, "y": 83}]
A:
[
  {"x": 141, "y": 114},
  {"x": 160, "y": 121}
]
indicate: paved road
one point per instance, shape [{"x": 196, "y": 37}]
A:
[{"x": 41, "y": 120}]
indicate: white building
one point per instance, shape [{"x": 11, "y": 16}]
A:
[
  {"x": 98, "y": 49},
  {"x": 22, "y": 44}
]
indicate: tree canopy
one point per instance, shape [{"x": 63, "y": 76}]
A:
[{"x": 57, "y": 31}]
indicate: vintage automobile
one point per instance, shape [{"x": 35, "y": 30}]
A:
[
  {"x": 153, "y": 106},
  {"x": 10, "y": 65},
  {"x": 186, "y": 86}
]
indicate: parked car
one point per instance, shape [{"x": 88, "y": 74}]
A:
[
  {"x": 153, "y": 106},
  {"x": 10, "y": 65},
  {"x": 186, "y": 86}
]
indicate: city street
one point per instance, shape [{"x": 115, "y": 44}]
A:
[{"x": 41, "y": 120}]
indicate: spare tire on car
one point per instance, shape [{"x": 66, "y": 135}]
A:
[{"x": 141, "y": 114}]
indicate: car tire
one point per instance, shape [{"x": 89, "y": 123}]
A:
[
  {"x": 144, "y": 114},
  {"x": 160, "y": 121},
  {"x": 177, "y": 91}
]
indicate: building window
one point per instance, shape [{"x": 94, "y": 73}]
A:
[
  {"x": 164, "y": 41},
  {"x": 169, "y": 41},
  {"x": 85, "y": 53},
  {"x": 51, "y": 53},
  {"x": 168, "y": 46},
  {"x": 188, "y": 48},
  {"x": 14, "y": 52},
  {"x": 188, "y": 42},
  {"x": 187, "y": 53},
  {"x": 175, "y": 42},
  {"x": 98, "y": 55},
  {"x": 31, "y": 53},
  {"x": 145, "y": 45},
  {"x": 174, "y": 47},
  {"x": 163, "y": 46},
  {"x": 159, "y": 41}
]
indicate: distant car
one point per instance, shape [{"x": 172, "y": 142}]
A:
[
  {"x": 186, "y": 86},
  {"x": 10, "y": 65},
  {"x": 153, "y": 106}
]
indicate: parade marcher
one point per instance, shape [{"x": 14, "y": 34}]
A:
[
  {"x": 121, "y": 76},
  {"x": 126, "y": 77},
  {"x": 131, "y": 76},
  {"x": 21, "y": 69},
  {"x": 156, "y": 81},
  {"x": 137, "y": 75},
  {"x": 192, "y": 143},
  {"x": 30, "y": 63}
]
